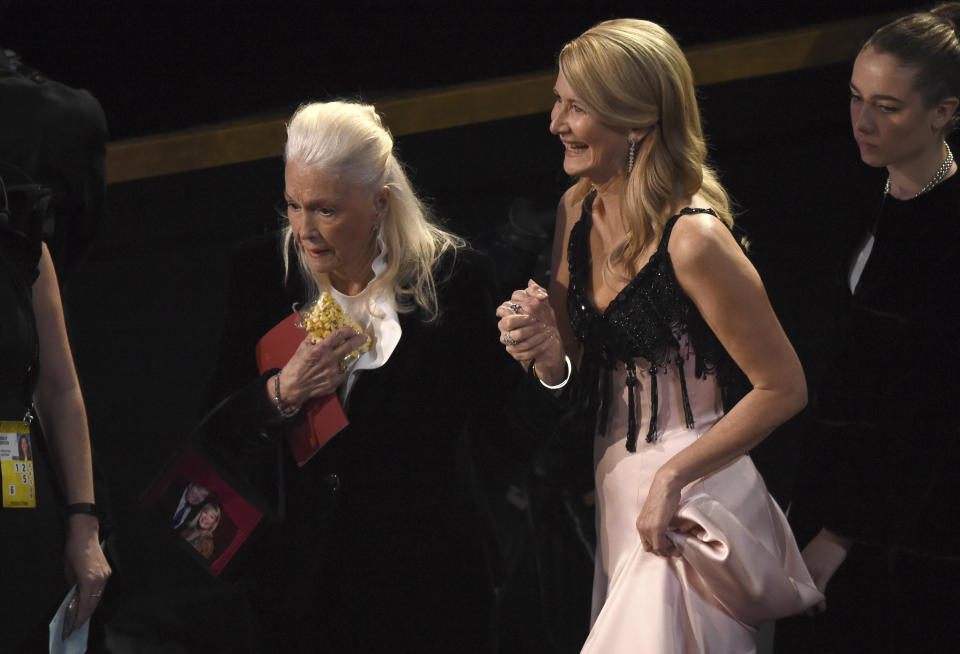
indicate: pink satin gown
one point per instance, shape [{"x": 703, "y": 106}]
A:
[{"x": 740, "y": 568}]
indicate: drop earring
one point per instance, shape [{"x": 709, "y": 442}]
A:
[{"x": 631, "y": 156}]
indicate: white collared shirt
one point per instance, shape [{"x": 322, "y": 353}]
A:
[{"x": 377, "y": 316}]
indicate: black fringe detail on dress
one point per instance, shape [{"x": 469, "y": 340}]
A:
[
  {"x": 631, "y": 407},
  {"x": 603, "y": 399},
  {"x": 654, "y": 405},
  {"x": 646, "y": 320},
  {"x": 687, "y": 411}
]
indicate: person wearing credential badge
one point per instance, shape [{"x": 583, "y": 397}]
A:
[{"x": 37, "y": 375}]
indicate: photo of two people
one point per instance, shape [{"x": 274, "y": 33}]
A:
[
  {"x": 205, "y": 511},
  {"x": 196, "y": 518}
]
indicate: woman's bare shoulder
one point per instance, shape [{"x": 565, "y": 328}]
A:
[{"x": 700, "y": 235}]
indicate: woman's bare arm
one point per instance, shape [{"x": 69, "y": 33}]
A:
[
  {"x": 726, "y": 289},
  {"x": 64, "y": 421}
]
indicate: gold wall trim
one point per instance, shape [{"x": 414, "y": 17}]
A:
[{"x": 497, "y": 99}]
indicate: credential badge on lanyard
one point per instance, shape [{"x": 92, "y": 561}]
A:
[{"x": 16, "y": 464}]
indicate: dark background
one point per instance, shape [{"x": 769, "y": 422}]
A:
[
  {"x": 146, "y": 305},
  {"x": 163, "y": 65}
]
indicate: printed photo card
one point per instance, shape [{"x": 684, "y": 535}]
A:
[{"x": 196, "y": 503}]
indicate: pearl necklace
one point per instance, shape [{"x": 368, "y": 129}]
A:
[{"x": 937, "y": 176}]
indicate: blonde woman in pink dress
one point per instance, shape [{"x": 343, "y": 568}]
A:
[{"x": 654, "y": 299}]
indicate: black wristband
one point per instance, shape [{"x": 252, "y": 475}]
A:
[{"x": 83, "y": 507}]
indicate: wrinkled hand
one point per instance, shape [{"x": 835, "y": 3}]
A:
[
  {"x": 823, "y": 556},
  {"x": 316, "y": 369},
  {"x": 528, "y": 327},
  {"x": 84, "y": 564},
  {"x": 658, "y": 511}
]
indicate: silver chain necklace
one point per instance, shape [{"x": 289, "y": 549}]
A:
[{"x": 937, "y": 176}]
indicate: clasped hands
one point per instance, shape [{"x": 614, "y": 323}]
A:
[{"x": 528, "y": 328}]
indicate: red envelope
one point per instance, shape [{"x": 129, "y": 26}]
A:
[{"x": 322, "y": 417}]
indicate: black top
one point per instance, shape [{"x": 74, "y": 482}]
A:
[
  {"x": 892, "y": 448},
  {"x": 30, "y": 538},
  {"x": 57, "y": 135},
  {"x": 901, "y": 325},
  {"x": 18, "y": 332},
  {"x": 380, "y": 548},
  {"x": 647, "y": 319}
]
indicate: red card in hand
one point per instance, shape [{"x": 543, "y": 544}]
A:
[{"x": 322, "y": 417}]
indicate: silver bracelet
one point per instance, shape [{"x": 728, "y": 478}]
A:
[
  {"x": 566, "y": 359},
  {"x": 284, "y": 413}
]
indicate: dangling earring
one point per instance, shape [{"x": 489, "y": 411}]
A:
[{"x": 631, "y": 156}]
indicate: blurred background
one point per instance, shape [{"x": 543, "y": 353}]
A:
[{"x": 195, "y": 94}]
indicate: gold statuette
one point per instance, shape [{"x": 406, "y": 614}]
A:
[{"x": 327, "y": 316}]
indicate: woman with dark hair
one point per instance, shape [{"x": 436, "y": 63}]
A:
[
  {"x": 23, "y": 447},
  {"x": 888, "y": 510},
  {"x": 660, "y": 305}
]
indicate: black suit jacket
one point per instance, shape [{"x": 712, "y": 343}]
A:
[{"x": 381, "y": 546}]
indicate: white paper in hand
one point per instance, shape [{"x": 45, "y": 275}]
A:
[{"x": 76, "y": 642}]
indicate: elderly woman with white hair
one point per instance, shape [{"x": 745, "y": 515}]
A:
[{"x": 380, "y": 547}]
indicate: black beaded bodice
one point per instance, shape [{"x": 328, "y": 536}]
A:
[{"x": 646, "y": 320}]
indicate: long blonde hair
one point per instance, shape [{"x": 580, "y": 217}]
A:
[
  {"x": 348, "y": 139},
  {"x": 631, "y": 73}
]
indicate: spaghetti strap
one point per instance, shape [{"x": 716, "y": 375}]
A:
[{"x": 686, "y": 211}]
